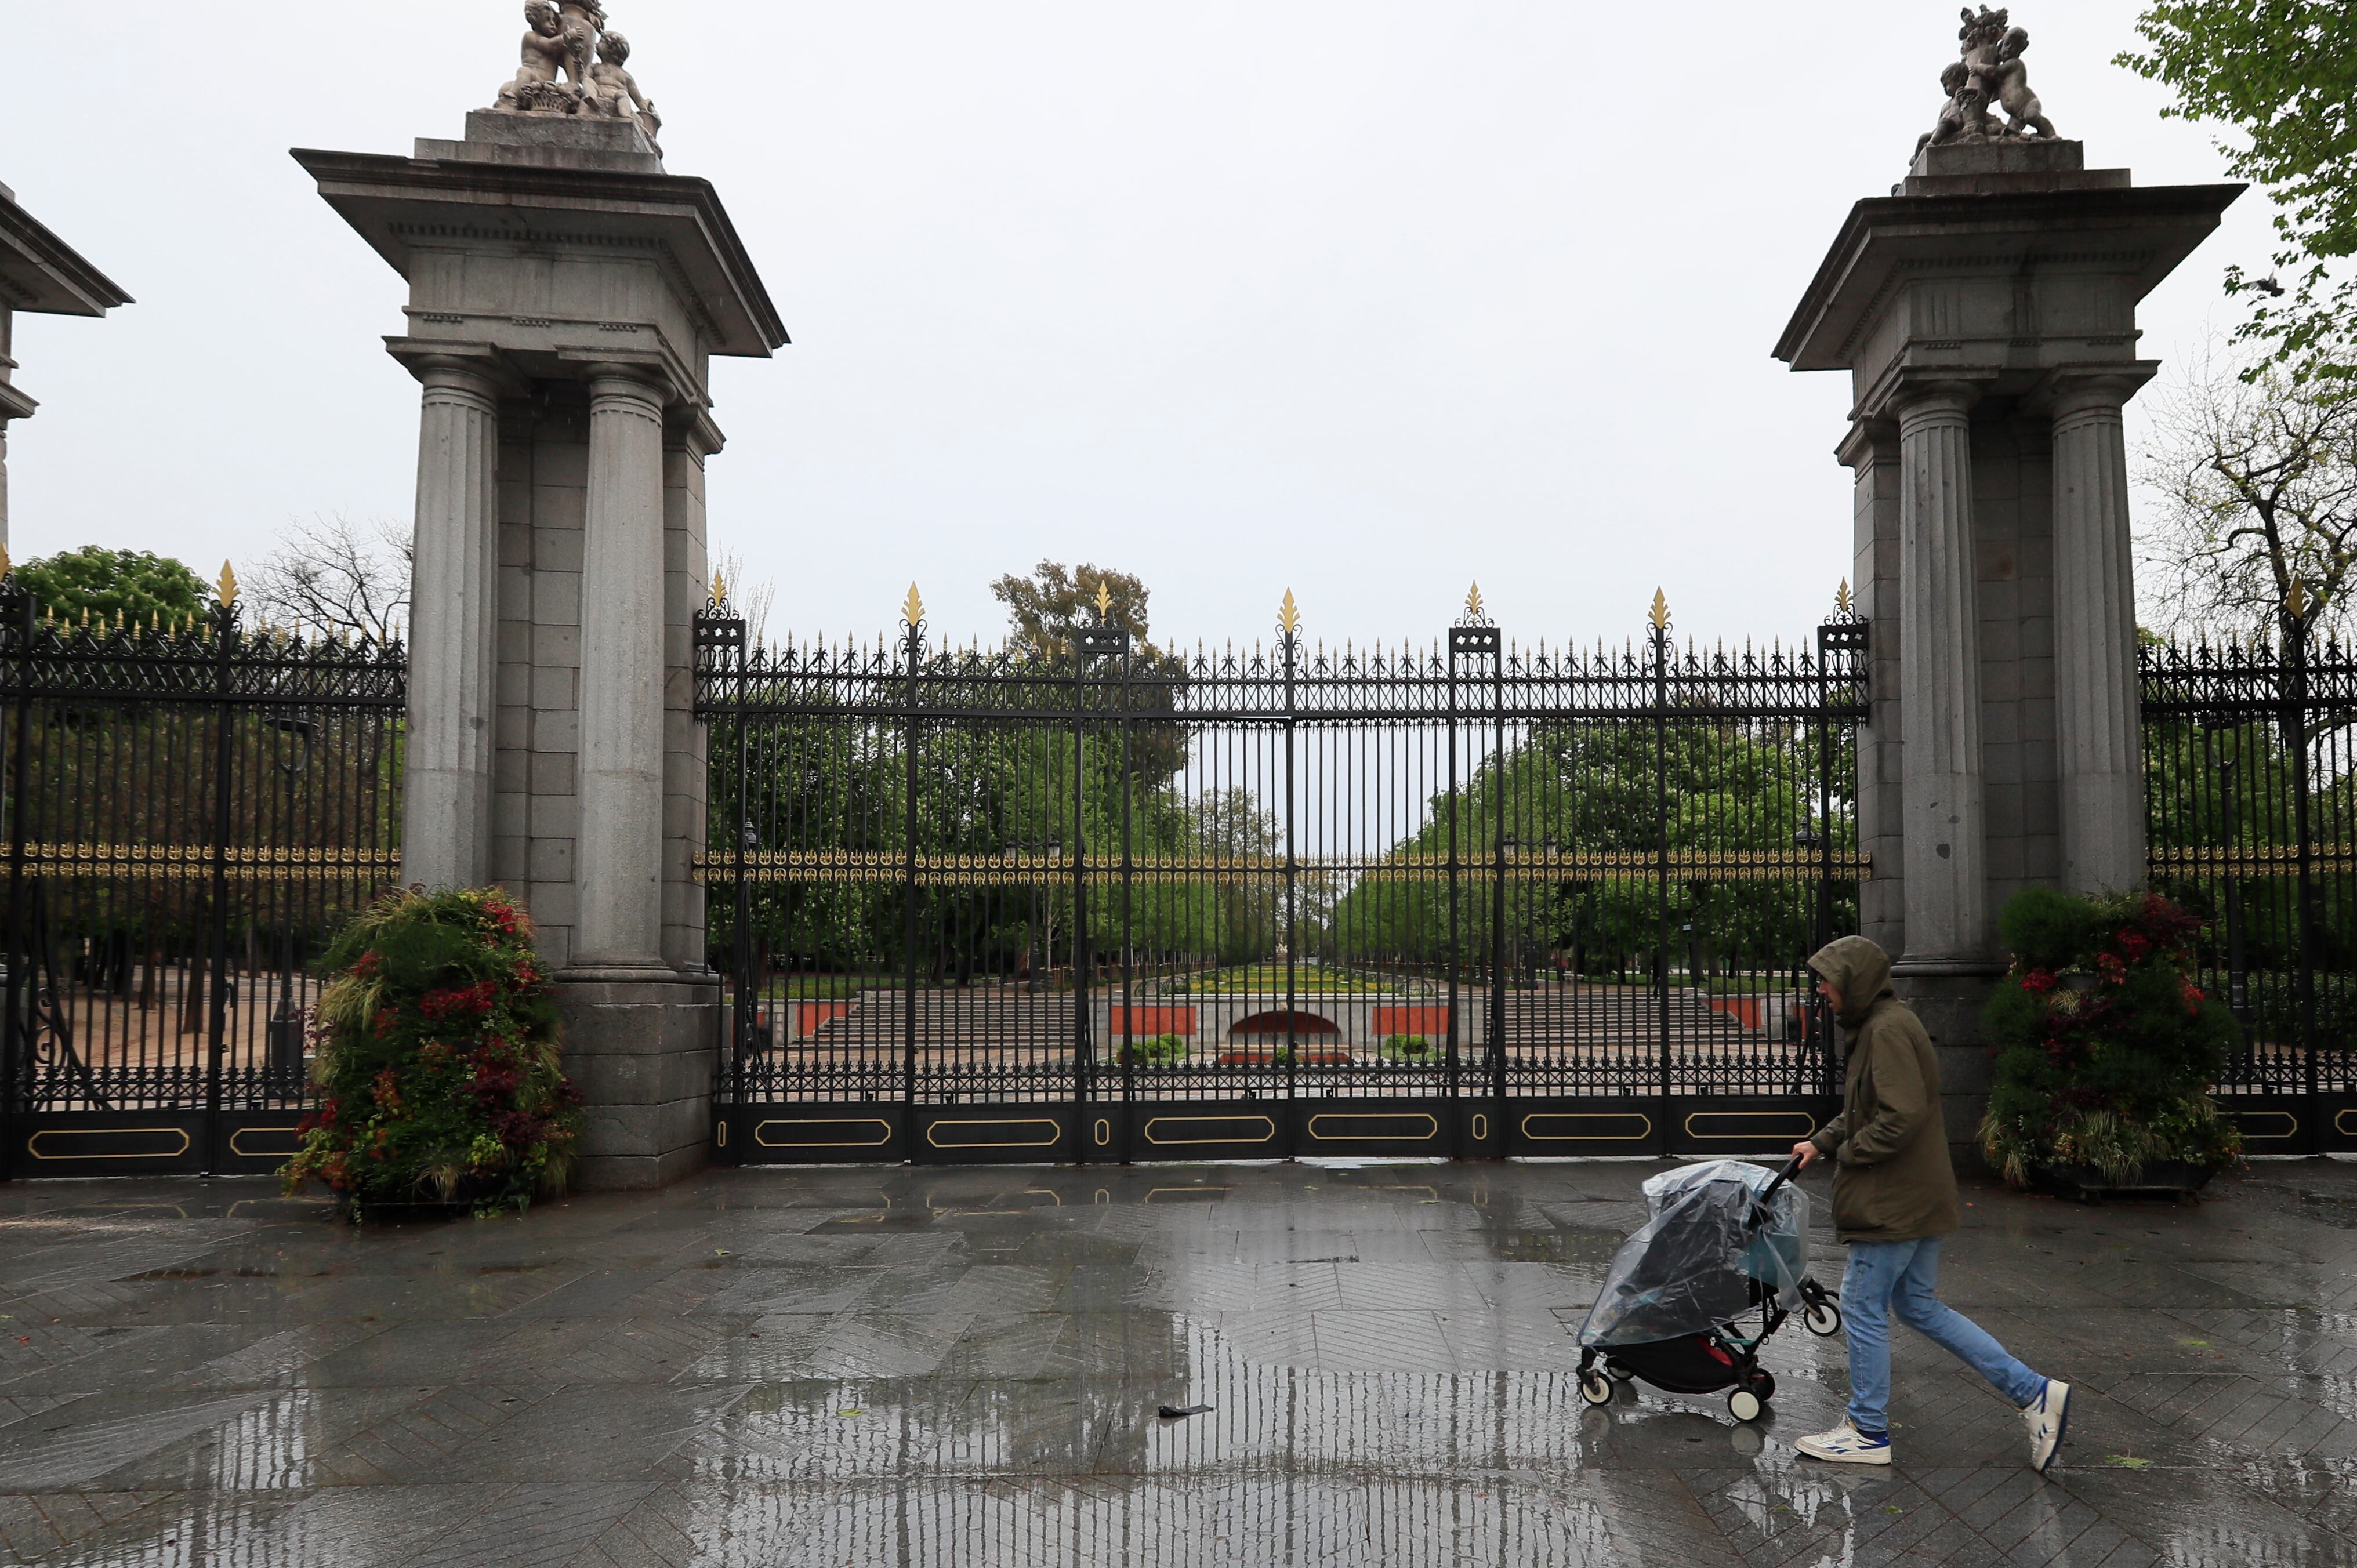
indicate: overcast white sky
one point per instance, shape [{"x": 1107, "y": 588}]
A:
[{"x": 1366, "y": 299}]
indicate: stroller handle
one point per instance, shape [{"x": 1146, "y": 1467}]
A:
[{"x": 1792, "y": 1168}]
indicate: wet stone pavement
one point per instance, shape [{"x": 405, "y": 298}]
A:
[{"x": 897, "y": 1367}]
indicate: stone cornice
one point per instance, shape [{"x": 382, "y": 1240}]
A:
[
  {"x": 14, "y": 405},
  {"x": 2140, "y": 233},
  {"x": 398, "y": 204},
  {"x": 40, "y": 273}
]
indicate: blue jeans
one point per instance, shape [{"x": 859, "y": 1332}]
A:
[{"x": 1884, "y": 1277}]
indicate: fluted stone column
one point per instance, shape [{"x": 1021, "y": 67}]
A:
[
  {"x": 1944, "y": 829},
  {"x": 619, "y": 854},
  {"x": 445, "y": 819},
  {"x": 2097, "y": 721}
]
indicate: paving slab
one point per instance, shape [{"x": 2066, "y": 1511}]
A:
[{"x": 881, "y": 1365}]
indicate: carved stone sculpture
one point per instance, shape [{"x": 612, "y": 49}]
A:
[
  {"x": 616, "y": 91},
  {"x": 1989, "y": 71},
  {"x": 582, "y": 21},
  {"x": 534, "y": 87},
  {"x": 561, "y": 39}
]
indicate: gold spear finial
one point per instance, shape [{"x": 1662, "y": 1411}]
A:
[
  {"x": 1104, "y": 599},
  {"x": 1841, "y": 598},
  {"x": 227, "y": 586},
  {"x": 913, "y": 608},
  {"x": 1660, "y": 615},
  {"x": 3, "y": 561},
  {"x": 1289, "y": 614},
  {"x": 719, "y": 587},
  {"x": 2296, "y": 600},
  {"x": 1473, "y": 603}
]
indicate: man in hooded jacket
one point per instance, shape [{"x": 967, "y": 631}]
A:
[{"x": 1894, "y": 1198}]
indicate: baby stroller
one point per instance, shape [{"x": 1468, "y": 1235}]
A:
[{"x": 1728, "y": 1239}]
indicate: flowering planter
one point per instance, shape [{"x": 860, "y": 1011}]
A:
[
  {"x": 2107, "y": 1048},
  {"x": 2176, "y": 1180}
]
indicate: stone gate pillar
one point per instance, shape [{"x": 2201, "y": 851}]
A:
[
  {"x": 1985, "y": 312},
  {"x": 565, "y": 298}
]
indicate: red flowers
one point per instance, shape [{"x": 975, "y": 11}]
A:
[
  {"x": 2109, "y": 968},
  {"x": 2038, "y": 982},
  {"x": 461, "y": 1003}
]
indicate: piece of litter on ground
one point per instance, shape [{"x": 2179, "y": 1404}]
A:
[
  {"x": 854, "y": 1409},
  {"x": 2125, "y": 1462},
  {"x": 1177, "y": 1412}
]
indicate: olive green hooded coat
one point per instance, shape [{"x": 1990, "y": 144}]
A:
[{"x": 1895, "y": 1183}]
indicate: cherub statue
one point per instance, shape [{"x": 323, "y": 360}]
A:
[
  {"x": 1989, "y": 71},
  {"x": 2008, "y": 83},
  {"x": 543, "y": 55},
  {"x": 1964, "y": 117},
  {"x": 616, "y": 91}
]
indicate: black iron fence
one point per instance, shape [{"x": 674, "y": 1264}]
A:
[
  {"x": 1096, "y": 899},
  {"x": 2251, "y": 789},
  {"x": 192, "y": 805}
]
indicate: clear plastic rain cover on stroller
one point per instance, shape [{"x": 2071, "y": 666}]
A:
[{"x": 1700, "y": 1260}]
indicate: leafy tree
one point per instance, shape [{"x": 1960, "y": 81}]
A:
[
  {"x": 1047, "y": 612},
  {"x": 136, "y": 583},
  {"x": 2282, "y": 74}
]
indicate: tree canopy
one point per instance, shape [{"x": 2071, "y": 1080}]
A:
[
  {"x": 2282, "y": 76},
  {"x": 136, "y": 583}
]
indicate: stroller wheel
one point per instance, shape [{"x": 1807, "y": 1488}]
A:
[
  {"x": 1594, "y": 1387},
  {"x": 1763, "y": 1383},
  {"x": 1616, "y": 1373},
  {"x": 1821, "y": 1319},
  {"x": 1744, "y": 1405}
]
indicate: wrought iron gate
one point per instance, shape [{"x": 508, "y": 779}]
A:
[
  {"x": 1094, "y": 900},
  {"x": 2250, "y": 792},
  {"x": 191, "y": 807}
]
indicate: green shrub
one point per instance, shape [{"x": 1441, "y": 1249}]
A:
[
  {"x": 2105, "y": 1047},
  {"x": 437, "y": 1060},
  {"x": 1160, "y": 1049},
  {"x": 1409, "y": 1048}
]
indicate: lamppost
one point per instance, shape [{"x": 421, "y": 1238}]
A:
[{"x": 283, "y": 1061}]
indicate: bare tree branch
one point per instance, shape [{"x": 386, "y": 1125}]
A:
[
  {"x": 2255, "y": 529},
  {"x": 333, "y": 575}
]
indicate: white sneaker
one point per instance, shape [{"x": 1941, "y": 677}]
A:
[
  {"x": 1844, "y": 1445},
  {"x": 2048, "y": 1417}
]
